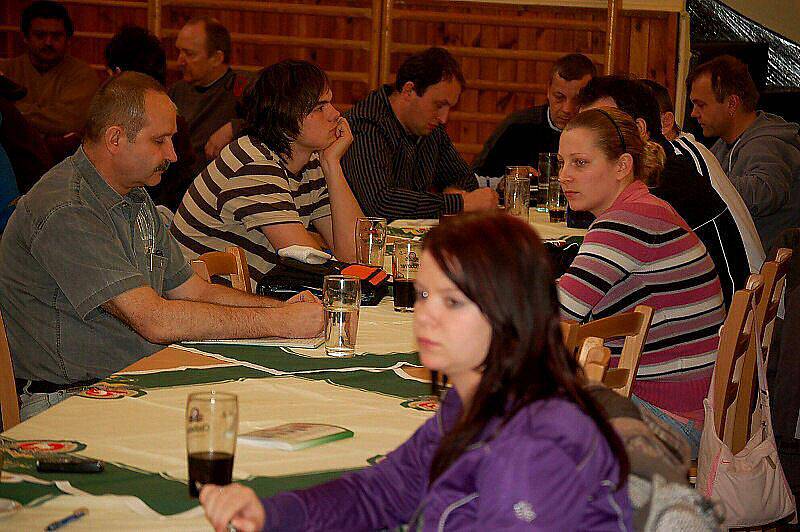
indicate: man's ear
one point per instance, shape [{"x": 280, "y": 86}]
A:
[
  {"x": 113, "y": 139},
  {"x": 218, "y": 58},
  {"x": 641, "y": 125},
  {"x": 667, "y": 119},
  {"x": 734, "y": 102},
  {"x": 408, "y": 89},
  {"x": 624, "y": 166}
]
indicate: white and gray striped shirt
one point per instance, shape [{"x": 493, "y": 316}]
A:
[
  {"x": 396, "y": 175},
  {"x": 242, "y": 190}
]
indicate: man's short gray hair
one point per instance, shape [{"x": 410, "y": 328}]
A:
[{"x": 120, "y": 101}]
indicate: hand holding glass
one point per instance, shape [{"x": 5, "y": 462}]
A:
[
  {"x": 212, "y": 420},
  {"x": 341, "y": 297}
]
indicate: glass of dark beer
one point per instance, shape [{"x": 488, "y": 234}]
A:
[
  {"x": 405, "y": 264},
  {"x": 212, "y": 420},
  {"x": 556, "y": 201},
  {"x": 548, "y": 167}
]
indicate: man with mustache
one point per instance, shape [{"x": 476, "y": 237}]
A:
[
  {"x": 524, "y": 134},
  {"x": 91, "y": 279},
  {"x": 59, "y": 85}
]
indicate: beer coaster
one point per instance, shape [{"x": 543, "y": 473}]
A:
[{"x": 8, "y": 508}]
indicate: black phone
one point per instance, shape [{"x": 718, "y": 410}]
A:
[{"x": 68, "y": 464}]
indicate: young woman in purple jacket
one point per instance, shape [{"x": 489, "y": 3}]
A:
[{"x": 517, "y": 444}]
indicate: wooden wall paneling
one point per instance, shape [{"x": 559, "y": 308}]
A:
[
  {"x": 506, "y": 50},
  {"x": 515, "y": 47},
  {"x": 336, "y": 34},
  {"x": 639, "y": 44}
]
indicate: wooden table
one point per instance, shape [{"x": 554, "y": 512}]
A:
[{"x": 134, "y": 421}]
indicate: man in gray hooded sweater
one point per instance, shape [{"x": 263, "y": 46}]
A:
[{"x": 759, "y": 151}]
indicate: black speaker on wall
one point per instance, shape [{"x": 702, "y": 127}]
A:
[{"x": 754, "y": 55}]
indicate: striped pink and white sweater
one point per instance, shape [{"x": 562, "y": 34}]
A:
[{"x": 641, "y": 252}]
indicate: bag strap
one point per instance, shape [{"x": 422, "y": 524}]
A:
[{"x": 763, "y": 390}]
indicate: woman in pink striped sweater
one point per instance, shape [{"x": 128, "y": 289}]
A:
[{"x": 640, "y": 251}]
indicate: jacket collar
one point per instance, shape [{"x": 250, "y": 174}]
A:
[{"x": 107, "y": 196}]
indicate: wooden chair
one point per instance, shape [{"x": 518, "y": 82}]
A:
[
  {"x": 594, "y": 358},
  {"x": 231, "y": 262},
  {"x": 773, "y": 277},
  {"x": 733, "y": 385},
  {"x": 9, "y": 401},
  {"x": 631, "y": 325},
  {"x": 774, "y": 273},
  {"x": 569, "y": 329}
]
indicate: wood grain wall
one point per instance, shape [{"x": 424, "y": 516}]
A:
[{"x": 506, "y": 50}]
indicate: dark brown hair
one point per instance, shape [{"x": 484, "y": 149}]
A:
[
  {"x": 573, "y": 66},
  {"x": 616, "y": 133},
  {"x": 275, "y": 105},
  {"x": 499, "y": 263},
  {"x": 729, "y": 77},
  {"x": 661, "y": 95},
  {"x": 46, "y": 9},
  {"x": 428, "y": 68}
]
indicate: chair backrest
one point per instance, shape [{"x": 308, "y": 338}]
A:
[
  {"x": 9, "y": 401},
  {"x": 594, "y": 358},
  {"x": 633, "y": 326},
  {"x": 569, "y": 329},
  {"x": 735, "y": 367},
  {"x": 231, "y": 262},
  {"x": 774, "y": 273}
]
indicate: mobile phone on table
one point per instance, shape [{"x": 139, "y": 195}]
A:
[{"x": 68, "y": 464}]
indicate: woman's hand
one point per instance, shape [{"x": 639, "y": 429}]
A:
[
  {"x": 234, "y": 505},
  {"x": 337, "y": 149}
]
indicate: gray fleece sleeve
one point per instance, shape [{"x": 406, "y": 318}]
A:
[{"x": 762, "y": 175}]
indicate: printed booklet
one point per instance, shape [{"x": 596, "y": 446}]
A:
[{"x": 295, "y": 436}]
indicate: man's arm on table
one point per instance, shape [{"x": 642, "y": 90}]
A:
[
  {"x": 368, "y": 168},
  {"x": 163, "y": 321},
  {"x": 453, "y": 176},
  {"x": 101, "y": 275}
]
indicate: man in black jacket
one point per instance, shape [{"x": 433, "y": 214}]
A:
[
  {"x": 690, "y": 193},
  {"x": 524, "y": 134}
]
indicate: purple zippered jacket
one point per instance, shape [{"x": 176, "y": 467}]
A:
[{"x": 548, "y": 468}]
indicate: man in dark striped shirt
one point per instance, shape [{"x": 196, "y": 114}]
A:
[{"x": 402, "y": 163}]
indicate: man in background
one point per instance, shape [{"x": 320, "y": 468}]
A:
[
  {"x": 759, "y": 151},
  {"x": 523, "y": 135},
  {"x": 210, "y": 89},
  {"x": 402, "y": 163},
  {"x": 59, "y": 86},
  {"x": 708, "y": 166}
]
